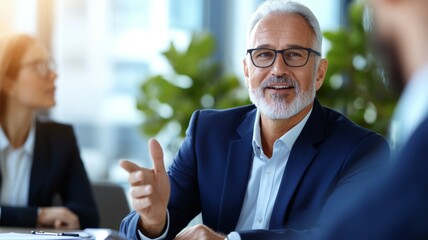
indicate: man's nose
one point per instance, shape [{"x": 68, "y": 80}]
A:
[{"x": 279, "y": 68}]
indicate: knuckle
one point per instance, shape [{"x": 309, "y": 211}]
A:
[
  {"x": 132, "y": 192},
  {"x": 147, "y": 202},
  {"x": 148, "y": 189},
  {"x": 140, "y": 191},
  {"x": 142, "y": 203},
  {"x": 199, "y": 226},
  {"x": 135, "y": 177}
]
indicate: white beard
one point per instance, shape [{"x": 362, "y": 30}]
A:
[{"x": 279, "y": 108}]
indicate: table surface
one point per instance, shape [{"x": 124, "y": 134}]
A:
[
  {"x": 98, "y": 233},
  {"x": 25, "y": 230},
  {"x": 10, "y": 233}
]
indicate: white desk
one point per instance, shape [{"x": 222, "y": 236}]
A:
[{"x": 12, "y": 233}]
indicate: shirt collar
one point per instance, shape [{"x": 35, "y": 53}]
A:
[
  {"x": 29, "y": 142},
  {"x": 289, "y": 138},
  {"x": 4, "y": 141}
]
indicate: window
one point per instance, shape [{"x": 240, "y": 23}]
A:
[{"x": 104, "y": 49}]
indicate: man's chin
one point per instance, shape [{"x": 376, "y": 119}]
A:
[
  {"x": 287, "y": 96},
  {"x": 282, "y": 111}
]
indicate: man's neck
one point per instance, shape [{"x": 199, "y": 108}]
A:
[{"x": 271, "y": 130}]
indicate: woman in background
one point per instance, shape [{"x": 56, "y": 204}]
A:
[{"x": 39, "y": 159}]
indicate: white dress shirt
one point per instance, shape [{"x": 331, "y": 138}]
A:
[
  {"x": 15, "y": 167},
  {"x": 265, "y": 178},
  {"x": 411, "y": 109}
]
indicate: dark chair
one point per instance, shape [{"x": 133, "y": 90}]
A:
[{"x": 112, "y": 204}]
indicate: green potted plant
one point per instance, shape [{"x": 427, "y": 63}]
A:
[
  {"x": 354, "y": 83},
  {"x": 198, "y": 82}
]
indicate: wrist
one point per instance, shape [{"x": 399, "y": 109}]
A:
[
  {"x": 40, "y": 219},
  {"x": 152, "y": 230}
]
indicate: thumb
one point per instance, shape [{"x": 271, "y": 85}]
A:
[
  {"x": 157, "y": 155},
  {"x": 129, "y": 166}
]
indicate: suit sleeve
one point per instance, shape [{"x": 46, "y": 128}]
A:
[
  {"x": 76, "y": 192},
  {"x": 18, "y": 216},
  {"x": 364, "y": 164},
  {"x": 367, "y": 161},
  {"x": 129, "y": 226},
  {"x": 184, "y": 203}
]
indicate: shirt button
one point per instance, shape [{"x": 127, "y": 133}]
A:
[
  {"x": 268, "y": 172},
  {"x": 260, "y": 220}
]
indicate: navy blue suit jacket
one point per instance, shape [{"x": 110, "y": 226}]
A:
[
  {"x": 57, "y": 169},
  {"x": 211, "y": 170},
  {"x": 394, "y": 208}
]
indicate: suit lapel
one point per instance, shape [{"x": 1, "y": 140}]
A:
[
  {"x": 301, "y": 156},
  {"x": 239, "y": 162},
  {"x": 40, "y": 162}
]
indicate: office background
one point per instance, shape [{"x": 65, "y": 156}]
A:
[{"x": 104, "y": 49}]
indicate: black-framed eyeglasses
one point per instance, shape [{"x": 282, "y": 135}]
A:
[
  {"x": 43, "y": 68},
  {"x": 293, "y": 57}
]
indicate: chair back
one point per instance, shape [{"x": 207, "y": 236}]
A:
[{"x": 112, "y": 204}]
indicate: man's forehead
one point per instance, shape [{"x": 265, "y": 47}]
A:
[{"x": 282, "y": 26}]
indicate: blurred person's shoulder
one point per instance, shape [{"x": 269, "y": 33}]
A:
[
  {"x": 53, "y": 127},
  {"x": 338, "y": 124}
]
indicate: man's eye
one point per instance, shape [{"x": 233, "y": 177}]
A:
[
  {"x": 293, "y": 54},
  {"x": 264, "y": 54}
]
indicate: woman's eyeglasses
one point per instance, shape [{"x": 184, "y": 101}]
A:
[{"x": 43, "y": 68}]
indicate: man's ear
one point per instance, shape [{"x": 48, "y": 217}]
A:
[
  {"x": 246, "y": 71},
  {"x": 321, "y": 72}
]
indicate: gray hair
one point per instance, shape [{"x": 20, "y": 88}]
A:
[{"x": 285, "y": 6}]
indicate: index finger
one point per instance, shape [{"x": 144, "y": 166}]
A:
[{"x": 129, "y": 166}]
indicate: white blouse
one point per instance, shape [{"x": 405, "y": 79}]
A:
[{"x": 15, "y": 168}]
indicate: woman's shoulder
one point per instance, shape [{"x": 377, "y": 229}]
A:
[{"x": 52, "y": 127}]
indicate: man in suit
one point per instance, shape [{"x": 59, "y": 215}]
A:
[{"x": 283, "y": 162}]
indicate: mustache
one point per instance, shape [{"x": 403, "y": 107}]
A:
[{"x": 285, "y": 80}]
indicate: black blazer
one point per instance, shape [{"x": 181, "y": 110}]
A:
[
  {"x": 211, "y": 170},
  {"x": 57, "y": 169}
]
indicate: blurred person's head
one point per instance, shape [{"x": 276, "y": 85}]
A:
[
  {"x": 26, "y": 76},
  {"x": 283, "y": 84},
  {"x": 400, "y": 34}
]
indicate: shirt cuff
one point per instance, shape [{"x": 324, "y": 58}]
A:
[
  {"x": 161, "y": 237},
  {"x": 234, "y": 236}
]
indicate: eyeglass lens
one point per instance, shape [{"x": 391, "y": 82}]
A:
[
  {"x": 44, "y": 68},
  {"x": 292, "y": 57}
]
